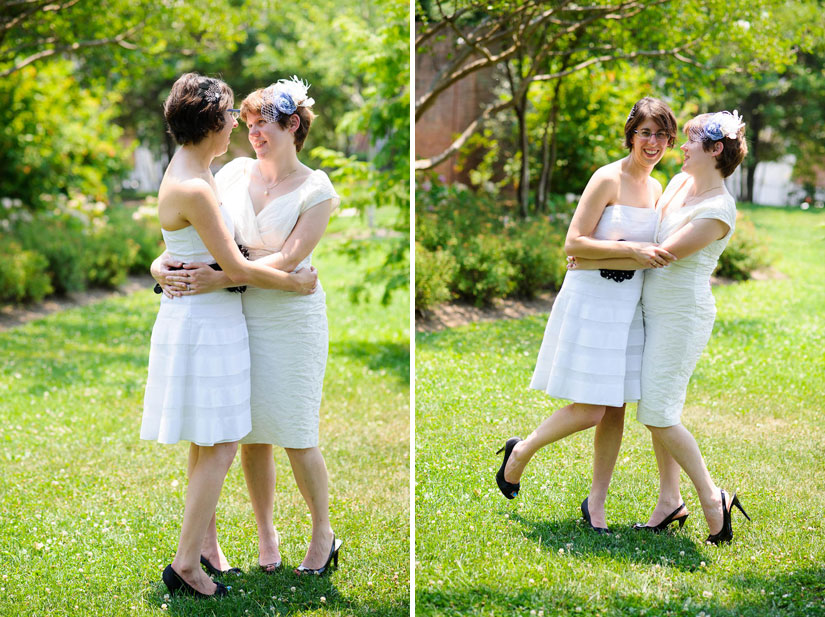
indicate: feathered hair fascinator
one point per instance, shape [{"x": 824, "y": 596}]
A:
[{"x": 284, "y": 97}]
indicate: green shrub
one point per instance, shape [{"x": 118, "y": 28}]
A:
[
  {"x": 483, "y": 271},
  {"x": 434, "y": 272},
  {"x": 536, "y": 251},
  {"x": 62, "y": 242},
  {"x": 142, "y": 227},
  {"x": 23, "y": 276},
  {"x": 109, "y": 257},
  {"x": 745, "y": 252}
]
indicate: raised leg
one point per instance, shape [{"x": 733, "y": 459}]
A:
[
  {"x": 310, "y": 472},
  {"x": 570, "y": 419}
]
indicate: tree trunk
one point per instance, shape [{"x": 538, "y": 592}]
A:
[
  {"x": 753, "y": 155},
  {"x": 524, "y": 145},
  {"x": 548, "y": 152}
]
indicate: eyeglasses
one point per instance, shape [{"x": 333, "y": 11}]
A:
[
  {"x": 647, "y": 134},
  {"x": 235, "y": 113}
]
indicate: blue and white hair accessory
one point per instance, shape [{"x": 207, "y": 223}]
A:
[
  {"x": 284, "y": 97},
  {"x": 722, "y": 124}
]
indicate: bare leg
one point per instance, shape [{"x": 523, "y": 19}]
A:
[
  {"x": 607, "y": 442},
  {"x": 670, "y": 497},
  {"x": 259, "y": 472},
  {"x": 681, "y": 445},
  {"x": 570, "y": 419},
  {"x": 311, "y": 476},
  {"x": 210, "y": 547},
  {"x": 208, "y": 472}
]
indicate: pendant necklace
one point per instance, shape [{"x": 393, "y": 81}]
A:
[{"x": 276, "y": 183}]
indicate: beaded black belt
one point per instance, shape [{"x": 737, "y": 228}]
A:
[{"x": 617, "y": 275}]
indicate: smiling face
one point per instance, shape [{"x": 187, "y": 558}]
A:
[
  {"x": 267, "y": 137},
  {"x": 697, "y": 159},
  {"x": 649, "y": 150}
]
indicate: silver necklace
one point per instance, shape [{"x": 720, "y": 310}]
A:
[
  {"x": 713, "y": 188},
  {"x": 276, "y": 183}
]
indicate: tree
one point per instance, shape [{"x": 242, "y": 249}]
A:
[{"x": 541, "y": 37}]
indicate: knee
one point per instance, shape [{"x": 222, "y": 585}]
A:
[
  {"x": 590, "y": 415},
  {"x": 224, "y": 453}
]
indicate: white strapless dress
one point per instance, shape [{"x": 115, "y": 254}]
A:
[
  {"x": 594, "y": 339},
  {"x": 198, "y": 387}
]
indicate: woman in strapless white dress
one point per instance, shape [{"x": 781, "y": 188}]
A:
[
  {"x": 280, "y": 209},
  {"x": 198, "y": 387},
  {"x": 696, "y": 220},
  {"x": 592, "y": 347}
]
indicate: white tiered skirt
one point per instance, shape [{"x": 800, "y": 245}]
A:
[
  {"x": 593, "y": 342},
  {"x": 198, "y": 387}
]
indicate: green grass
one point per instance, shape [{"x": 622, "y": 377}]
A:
[
  {"x": 755, "y": 405},
  {"x": 90, "y": 515}
]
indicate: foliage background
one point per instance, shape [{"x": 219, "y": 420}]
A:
[{"x": 83, "y": 85}]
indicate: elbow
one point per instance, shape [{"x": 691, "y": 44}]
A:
[
  {"x": 571, "y": 246},
  {"x": 239, "y": 276}
]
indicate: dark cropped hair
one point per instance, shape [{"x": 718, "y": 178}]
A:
[
  {"x": 195, "y": 107},
  {"x": 654, "y": 109},
  {"x": 255, "y": 102},
  {"x": 733, "y": 150}
]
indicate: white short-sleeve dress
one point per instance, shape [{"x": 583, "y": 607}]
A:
[
  {"x": 592, "y": 347},
  {"x": 288, "y": 335},
  {"x": 198, "y": 388},
  {"x": 679, "y": 311}
]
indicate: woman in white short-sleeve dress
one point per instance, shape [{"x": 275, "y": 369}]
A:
[
  {"x": 697, "y": 217},
  {"x": 280, "y": 209},
  {"x": 198, "y": 387},
  {"x": 592, "y": 348}
]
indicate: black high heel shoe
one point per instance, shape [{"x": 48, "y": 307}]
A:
[
  {"x": 670, "y": 518},
  {"x": 508, "y": 489},
  {"x": 213, "y": 571},
  {"x": 586, "y": 517},
  {"x": 175, "y": 584},
  {"x": 726, "y": 533},
  {"x": 333, "y": 557}
]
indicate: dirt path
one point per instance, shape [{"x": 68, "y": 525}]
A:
[{"x": 12, "y": 316}]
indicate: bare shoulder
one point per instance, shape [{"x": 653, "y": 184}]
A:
[
  {"x": 190, "y": 191},
  {"x": 606, "y": 180}
]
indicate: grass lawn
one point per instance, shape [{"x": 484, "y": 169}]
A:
[
  {"x": 90, "y": 515},
  {"x": 755, "y": 405}
]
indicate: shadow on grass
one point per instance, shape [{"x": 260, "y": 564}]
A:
[
  {"x": 392, "y": 357},
  {"x": 795, "y": 594},
  {"x": 284, "y": 593},
  {"x": 624, "y": 544}
]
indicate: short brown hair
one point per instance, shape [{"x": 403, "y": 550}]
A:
[
  {"x": 654, "y": 109},
  {"x": 254, "y": 103},
  {"x": 195, "y": 107},
  {"x": 733, "y": 150}
]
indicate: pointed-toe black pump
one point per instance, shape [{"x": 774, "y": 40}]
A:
[
  {"x": 213, "y": 571},
  {"x": 508, "y": 489},
  {"x": 670, "y": 518},
  {"x": 726, "y": 533},
  {"x": 176, "y": 585},
  {"x": 333, "y": 558},
  {"x": 586, "y": 517}
]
